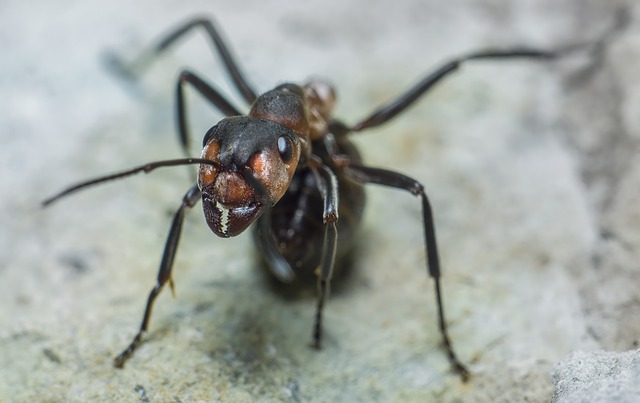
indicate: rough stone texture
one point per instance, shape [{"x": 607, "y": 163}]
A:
[
  {"x": 533, "y": 170},
  {"x": 598, "y": 377}
]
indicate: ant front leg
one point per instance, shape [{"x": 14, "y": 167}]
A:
[
  {"x": 396, "y": 180},
  {"x": 164, "y": 272},
  {"x": 328, "y": 187},
  {"x": 267, "y": 244}
]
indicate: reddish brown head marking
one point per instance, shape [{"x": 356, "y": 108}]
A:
[
  {"x": 257, "y": 158},
  {"x": 208, "y": 173}
]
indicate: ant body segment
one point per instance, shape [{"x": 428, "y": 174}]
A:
[{"x": 287, "y": 166}]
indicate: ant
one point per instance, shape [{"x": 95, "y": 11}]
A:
[{"x": 288, "y": 166}]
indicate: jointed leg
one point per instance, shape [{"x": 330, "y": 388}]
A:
[
  {"x": 329, "y": 246},
  {"x": 402, "y": 102},
  {"x": 267, "y": 244},
  {"x": 146, "y": 58},
  {"x": 164, "y": 272},
  {"x": 210, "y": 93},
  {"x": 265, "y": 240},
  {"x": 328, "y": 186},
  {"x": 396, "y": 180}
]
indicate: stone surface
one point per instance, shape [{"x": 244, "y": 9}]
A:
[
  {"x": 533, "y": 170},
  {"x": 598, "y": 377}
]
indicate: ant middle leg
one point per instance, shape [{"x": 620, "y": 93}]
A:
[
  {"x": 407, "y": 98},
  {"x": 164, "y": 272},
  {"x": 210, "y": 93},
  {"x": 403, "y": 101},
  {"x": 396, "y": 180},
  {"x": 143, "y": 61}
]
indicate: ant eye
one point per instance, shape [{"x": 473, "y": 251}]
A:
[{"x": 285, "y": 148}]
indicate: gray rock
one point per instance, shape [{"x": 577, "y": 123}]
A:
[{"x": 598, "y": 377}]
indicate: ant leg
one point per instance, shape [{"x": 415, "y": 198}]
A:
[
  {"x": 266, "y": 242},
  {"x": 146, "y": 58},
  {"x": 264, "y": 238},
  {"x": 392, "y": 179},
  {"x": 164, "y": 272},
  {"x": 208, "y": 92},
  {"x": 328, "y": 186},
  {"x": 406, "y": 99}
]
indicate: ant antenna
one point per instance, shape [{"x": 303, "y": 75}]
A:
[{"x": 146, "y": 168}]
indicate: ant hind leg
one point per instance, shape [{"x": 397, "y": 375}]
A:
[{"x": 396, "y": 180}]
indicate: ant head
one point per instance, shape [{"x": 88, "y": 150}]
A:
[{"x": 257, "y": 159}]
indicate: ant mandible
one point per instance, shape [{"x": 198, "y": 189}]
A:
[{"x": 285, "y": 165}]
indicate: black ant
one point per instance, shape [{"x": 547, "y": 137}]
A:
[{"x": 288, "y": 166}]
